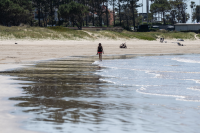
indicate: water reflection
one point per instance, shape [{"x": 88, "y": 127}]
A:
[
  {"x": 65, "y": 95},
  {"x": 55, "y": 88}
]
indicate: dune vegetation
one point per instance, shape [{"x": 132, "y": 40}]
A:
[
  {"x": 198, "y": 36},
  {"x": 39, "y": 33},
  {"x": 63, "y": 33}
]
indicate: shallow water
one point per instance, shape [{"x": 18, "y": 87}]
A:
[
  {"x": 172, "y": 75},
  {"x": 141, "y": 94}
]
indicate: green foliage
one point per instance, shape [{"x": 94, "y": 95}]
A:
[
  {"x": 14, "y": 12},
  {"x": 196, "y": 14},
  {"x": 75, "y": 11},
  {"x": 160, "y": 6},
  {"x": 178, "y": 11},
  {"x": 153, "y": 29},
  {"x": 198, "y": 36},
  {"x": 60, "y": 29}
]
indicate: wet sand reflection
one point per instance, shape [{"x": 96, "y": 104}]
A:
[{"x": 62, "y": 91}]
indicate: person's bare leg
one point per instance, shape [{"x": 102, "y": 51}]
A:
[{"x": 99, "y": 56}]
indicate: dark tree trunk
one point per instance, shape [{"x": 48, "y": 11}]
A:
[
  {"x": 127, "y": 21},
  {"x": 127, "y": 18},
  {"x": 133, "y": 12},
  {"x": 164, "y": 18},
  {"x": 51, "y": 6},
  {"x": 39, "y": 14},
  {"x": 120, "y": 19},
  {"x": 79, "y": 26},
  {"x": 86, "y": 14},
  {"x": 43, "y": 17},
  {"x": 93, "y": 19},
  {"x": 107, "y": 13},
  {"x": 100, "y": 21},
  {"x": 58, "y": 14},
  {"x": 93, "y": 13},
  {"x": 86, "y": 20},
  {"x": 114, "y": 11}
]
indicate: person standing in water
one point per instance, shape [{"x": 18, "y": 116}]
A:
[{"x": 100, "y": 51}]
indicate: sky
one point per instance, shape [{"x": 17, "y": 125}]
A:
[{"x": 197, "y": 2}]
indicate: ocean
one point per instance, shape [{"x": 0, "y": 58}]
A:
[
  {"x": 143, "y": 94},
  {"x": 157, "y": 93},
  {"x": 169, "y": 75}
]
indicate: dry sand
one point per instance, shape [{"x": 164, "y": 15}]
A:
[{"x": 29, "y": 50}]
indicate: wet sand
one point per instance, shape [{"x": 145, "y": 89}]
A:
[{"x": 10, "y": 122}]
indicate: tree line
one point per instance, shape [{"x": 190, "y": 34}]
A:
[
  {"x": 69, "y": 12},
  {"x": 92, "y": 12},
  {"x": 174, "y": 11}
]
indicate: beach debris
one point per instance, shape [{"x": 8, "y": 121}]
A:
[
  {"x": 165, "y": 41},
  {"x": 15, "y": 43},
  {"x": 123, "y": 45},
  {"x": 180, "y": 40}
]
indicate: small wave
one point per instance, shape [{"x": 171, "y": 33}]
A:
[
  {"x": 178, "y": 97},
  {"x": 107, "y": 81},
  {"x": 187, "y": 100},
  {"x": 143, "y": 89},
  {"x": 194, "y": 88},
  {"x": 195, "y": 80},
  {"x": 185, "y": 60},
  {"x": 96, "y": 62},
  {"x": 157, "y": 75}
]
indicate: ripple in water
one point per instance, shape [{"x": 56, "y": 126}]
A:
[
  {"x": 157, "y": 75},
  {"x": 74, "y": 95}
]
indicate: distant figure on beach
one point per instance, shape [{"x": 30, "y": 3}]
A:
[
  {"x": 123, "y": 45},
  {"x": 100, "y": 51},
  {"x": 179, "y": 44},
  {"x": 161, "y": 40}
]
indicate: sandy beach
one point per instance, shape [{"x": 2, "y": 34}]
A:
[{"x": 32, "y": 50}]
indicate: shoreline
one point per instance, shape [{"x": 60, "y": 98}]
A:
[
  {"x": 12, "y": 120},
  {"x": 9, "y": 121},
  {"x": 6, "y": 113},
  {"x": 11, "y": 56}
]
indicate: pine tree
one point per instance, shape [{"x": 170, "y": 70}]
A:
[
  {"x": 14, "y": 12},
  {"x": 75, "y": 11}
]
